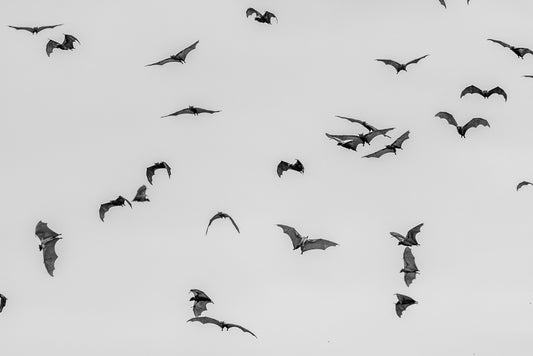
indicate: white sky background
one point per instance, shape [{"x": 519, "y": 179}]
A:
[{"x": 80, "y": 127}]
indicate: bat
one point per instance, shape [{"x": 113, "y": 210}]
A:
[
  {"x": 48, "y": 239},
  {"x": 519, "y": 51},
  {"x": 410, "y": 239},
  {"x": 304, "y": 243},
  {"x": 34, "y": 30},
  {"x": 150, "y": 171},
  {"x": 191, "y": 110},
  {"x": 262, "y": 18},
  {"x": 200, "y": 300},
  {"x": 3, "y": 301},
  {"x": 221, "y": 324},
  {"x": 117, "y": 202},
  {"x": 221, "y": 215},
  {"x": 284, "y": 166},
  {"x": 402, "y": 303},
  {"x": 398, "y": 66},
  {"x": 68, "y": 44},
  {"x": 443, "y": 3},
  {"x": 521, "y": 184},
  {"x": 352, "y": 141},
  {"x": 178, "y": 57},
  {"x": 365, "y": 124},
  {"x": 140, "y": 196},
  {"x": 528, "y": 76},
  {"x": 472, "y": 89},
  {"x": 461, "y": 130},
  {"x": 409, "y": 266},
  {"x": 396, "y": 145}
]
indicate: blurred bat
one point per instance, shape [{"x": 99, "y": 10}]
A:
[
  {"x": 521, "y": 184},
  {"x": 150, "y": 171},
  {"x": 262, "y": 18},
  {"x": 304, "y": 243},
  {"x": 461, "y": 130},
  {"x": 472, "y": 89},
  {"x": 3, "y": 301},
  {"x": 117, "y": 202},
  {"x": 221, "y": 215},
  {"x": 48, "y": 239},
  {"x": 141, "y": 194},
  {"x": 34, "y": 30},
  {"x": 398, "y": 66},
  {"x": 409, "y": 266},
  {"x": 519, "y": 51},
  {"x": 200, "y": 300},
  {"x": 410, "y": 239},
  {"x": 191, "y": 110},
  {"x": 443, "y": 3},
  {"x": 352, "y": 141},
  {"x": 284, "y": 166},
  {"x": 402, "y": 303},
  {"x": 221, "y": 324},
  {"x": 396, "y": 145},
  {"x": 68, "y": 44},
  {"x": 179, "y": 57}
]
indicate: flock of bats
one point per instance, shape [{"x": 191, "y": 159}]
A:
[{"x": 48, "y": 238}]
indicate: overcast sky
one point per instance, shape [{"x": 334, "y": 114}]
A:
[{"x": 80, "y": 128}]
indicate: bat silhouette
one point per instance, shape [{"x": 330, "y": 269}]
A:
[
  {"x": 117, "y": 202},
  {"x": 396, "y": 145},
  {"x": 304, "y": 243},
  {"x": 191, "y": 110},
  {"x": 221, "y": 324},
  {"x": 398, "y": 66},
  {"x": 200, "y": 300},
  {"x": 178, "y": 57},
  {"x": 68, "y": 44},
  {"x": 410, "y": 239},
  {"x": 262, "y": 18},
  {"x": 352, "y": 141},
  {"x": 3, "y": 301},
  {"x": 140, "y": 196},
  {"x": 221, "y": 215},
  {"x": 528, "y": 76},
  {"x": 523, "y": 183},
  {"x": 48, "y": 239},
  {"x": 150, "y": 171},
  {"x": 461, "y": 130},
  {"x": 34, "y": 30},
  {"x": 472, "y": 89},
  {"x": 365, "y": 124},
  {"x": 409, "y": 266},
  {"x": 443, "y": 3},
  {"x": 284, "y": 166},
  {"x": 402, "y": 303},
  {"x": 519, "y": 51}
]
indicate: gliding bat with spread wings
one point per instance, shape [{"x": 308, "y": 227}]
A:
[
  {"x": 191, "y": 110},
  {"x": 410, "y": 239},
  {"x": 519, "y": 51},
  {"x": 472, "y": 89},
  {"x": 221, "y": 215},
  {"x": 352, "y": 141},
  {"x": 48, "y": 239},
  {"x": 150, "y": 171},
  {"x": 262, "y": 18},
  {"x": 523, "y": 183},
  {"x": 304, "y": 243},
  {"x": 34, "y": 30},
  {"x": 221, "y": 324},
  {"x": 396, "y": 145},
  {"x": 67, "y": 44},
  {"x": 285, "y": 166},
  {"x": 178, "y": 57},
  {"x": 461, "y": 130},
  {"x": 200, "y": 300},
  {"x": 116, "y": 202},
  {"x": 399, "y": 66}
]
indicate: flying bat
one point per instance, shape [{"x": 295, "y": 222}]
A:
[
  {"x": 365, "y": 124},
  {"x": 68, "y": 44},
  {"x": 521, "y": 184},
  {"x": 140, "y": 196},
  {"x": 519, "y": 51},
  {"x": 284, "y": 166},
  {"x": 3, "y": 301},
  {"x": 472, "y": 89},
  {"x": 48, "y": 239},
  {"x": 191, "y": 110},
  {"x": 402, "y": 303},
  {"x": 443, "y": 3},
  {"x": 178, "y": 57},
  {"x": 398, "y": 66},
  {"x": 528, "y": 76},
  {"x": 262, "y": 18},
  {"x": 304, "y": 243},
  {"x": 221, "y": 324},
  {"x": 150, "y": 171},
  {"x": 410, "y": 239},
  {"x": 221, "y": 215},
  {"x": 409, "y": 266},
  {"x": 200, "y": 300},
  {"x": 461, "y": 130},
  {"x": 352, "y": 141},
  {"x": 117, "y": 202},
  {"x": 34, "y": 30},
  {"x": 396, "y": 145}
]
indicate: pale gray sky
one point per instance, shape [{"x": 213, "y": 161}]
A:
[{"x": 80, "y": 127}]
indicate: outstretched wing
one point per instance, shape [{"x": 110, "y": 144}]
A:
[
  {"x": 252, "y": 11},
  {"x": 298, "y": 166},
  {"x": 390, "y": 62},
  {"x": 342, "y": 138},
  {"x": 498, "y": 91},
  {"x": 239, "y": 327},
  {"x": 216, "y": 216},
  {"x": 357, "y": 121},
  {"x": 43, "y": 232},
  {"x": 400, "y": 140},
  {"x": 352, "y": 144},
  {"x": 409, "y": 277},
  {"x": 50, "y": 256},
  {"x": 50, "y": 46},
  {"x": 206, "y": 320},
  {"x": 234, "y": 224},
  {"x": 373, "y": 134},
  {"x": 40, "y": 28},
  {"x": 166, "y": 167},
  {"x": 409, "y": 263},
  {"x": 416, "y": 60},
  {"x": 268, "y": 16},
  {"x": 200, "y": 111},
  {"x": 296, "y": 238},
  {"x": 379, "y": 153},
  {"x": 199, "y": 294},
  {"x": 69, "y": 40},
  {"x": 179, "y": 112},
  {"x": 501, "y": 43},
  {"x": 161, "y": 62},
  {"x": 184, "y": 52},
  {"x": 411, "y": 234},
  {"x": 141, "y": 194},
  {"x": 472, "y": 89},
  {"x": 317, "y": 244},
  {"x": 448, "y": 117},
  {"x": 150, "y": 171},
  {"x": 103, "y": 209},
  {"x": 521, "y": 184},
  {"x": 475, "y": 122},
  {"x": 282, "y": 167},
  {"x": 398, "y": 236},
  {"x": 29, "y": 29},
  {"x": 200, "y": 306}
]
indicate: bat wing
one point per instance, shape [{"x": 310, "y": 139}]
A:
[
  {"x": 448, "y": 117},
  {"x": 352, "y": 144},
  {"x": 498, "y": 91},
  {"x": 379, "y": 153},
  {"x": 390, "y": 62},
  {"x": 183, "y": 53},
  {"x": 416, "y": 60},
  {"x": 411, "y": 234},
  {"x": 69, "y": 40},
  {"x": 472, "y": 89},
  {"x": 252, "y": 11},
  {"x": 409, "y": 263},
  {"x": 3, "y": 301},
  {"x": 239, "y": 327},
  {"x": 398, "y": 236},
  {"x": 29, "y": 29},
  {"x": 282, "y": 167},
  {"x": 342, "y": 138},
  {"x": 296, "y": 238},
  {"x": 199, "y": 294},
  {"x": 373, "y": 134},
  {"x": 150, "y": 171},
  {"x": 200, "y": 111},
  {"x": 357, "y": 121},
  {"x": 400, "y": 140},
  {"x": 409, "y": 277},
  {"x": 475, "y": 122},
  {"x": 104, "y": 209},
  {"x": 141, "y": 194},
  {"x": 200, "y": 306},
  {"x": 315, "y": 244},
  {"x": 268, "y": 16},
  {"x": 179, "y": 112},
  {"x": 206, "y": 320},
  {"x": 521, "y": 184},
  {"x": 216, "y": 216},
  {"x": 234, "y": 224},
  {"x": 298, "y": 166},
  {"x": 39, "y": 29},
  {"x": 402, "y": 303},
  {"x": 43, "y": 232},
  {"x": 166, "y": 167},
  {"x": 443, "y": 3},
  {"x": 50, "y": 46},
  {"x": 161, "y": 62},
  {"x": 50, "y": 256},
  {"x": 500, "y": 43}
]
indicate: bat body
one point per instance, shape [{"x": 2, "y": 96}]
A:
[
  {"x": 221, "y": 215},
  {"x": 519, "y": 51},
  {"x": 140, "y": 196},
  {"x": 221, "y": 324},
  {"x": 461, "y": 130},
  {"x": 352, "y": 141},
  {"x": 200, "y": 300},
  {"x": 120, "y": 201},
  {"x": 191, "y": 110},
  {"x": 48, "y": 239},
  {"x": 34, "y": 30},
  {"x": 284, "y": 166},
  {"x": 399, "y": 66},
  {"x": 150, "y": 171},
  {"x": 3, "y": 301},
  {"x": 409, "y": 266},
  {"x": 472, "y": 89},
  {"x": 523, "y": 183},
  {"x": 262, "y": 18},
  {"x": 402, "y": 303},
  {"x": 392, "y": 148},
  {"x": 304, "y": 243},
  {"x": 410, "y": 239},
  {"x": 365, "y": 124},
  {"x": 67, "y": 44},
  {"x": 178, "y": 57}
]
